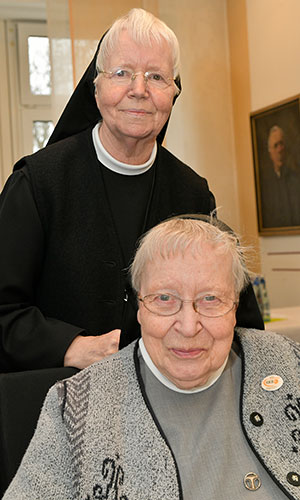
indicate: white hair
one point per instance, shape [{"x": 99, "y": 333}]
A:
[
  {"x": 177, "y": 235},
  {"x": 144, "y": 28}
]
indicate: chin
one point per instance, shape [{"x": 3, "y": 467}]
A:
[
  {"x": 189, "y": 381},
  {"x": 137, "y": 133},
  {"x": 188, "y": 385}
]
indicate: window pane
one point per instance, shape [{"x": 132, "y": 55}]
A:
[
  {"x": 41, "y": 132},
  {"x": 39, "y": 65}
]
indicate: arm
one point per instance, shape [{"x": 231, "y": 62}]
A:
[
  {"x": 248, "y": 314},
  {"x": 46, "y": 468},
  {"x": 28, "y": 339}
]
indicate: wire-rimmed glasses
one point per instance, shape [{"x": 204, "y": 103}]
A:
[
  {"x": 124, "y": 76},
  {"x": 208, "y": 304}
]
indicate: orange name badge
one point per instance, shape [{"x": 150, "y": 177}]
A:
[{"x": 272, "y": 383}]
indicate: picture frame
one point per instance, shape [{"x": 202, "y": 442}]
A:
[{"x": 275, "y": 132}]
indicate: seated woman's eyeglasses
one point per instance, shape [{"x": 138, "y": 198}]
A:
[
  {"x": 166, "y": 304},
  {"x": 123, "y": 76}
]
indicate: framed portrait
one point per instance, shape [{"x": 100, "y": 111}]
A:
[{"x": 276, "y": 155}]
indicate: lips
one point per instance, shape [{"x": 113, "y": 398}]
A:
[
  {"x": 137, "y": 111},
  {"x": 187, "y": 353}
]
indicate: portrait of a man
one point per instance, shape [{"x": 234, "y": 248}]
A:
[{"x": 276, "y": 140}]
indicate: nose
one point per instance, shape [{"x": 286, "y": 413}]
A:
[
  {"x": 138, "y": 85},
  {"x": 189, "y": 322}
]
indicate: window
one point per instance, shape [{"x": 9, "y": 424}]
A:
[
  {"x": 34, "y": 85},
  {"x": 37, "y": 128},
  {"x": 25, "y": 91},
  {"x": 34, "y": 63},
  {"x": 39, "y": 65}
]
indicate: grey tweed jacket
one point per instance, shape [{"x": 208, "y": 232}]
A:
[{"x": 97, "y": 437}]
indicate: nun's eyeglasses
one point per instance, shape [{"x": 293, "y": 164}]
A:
[
  {"x": 122, "y": 76},
  {"x": 208, "y": 304}
]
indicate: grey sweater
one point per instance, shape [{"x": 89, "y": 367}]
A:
[{"x": 98, "y": 439}]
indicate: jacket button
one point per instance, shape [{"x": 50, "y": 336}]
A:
[
  {"x": 293, "y": 478},
  {"x": 252, "y": 481},
  {"x": 256, "y": 419}
]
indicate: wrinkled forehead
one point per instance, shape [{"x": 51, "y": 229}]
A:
[
  {"x": 124, "y": 41},
  {"x": 210, "y": 259},
  {"x": 200, "y": 249}
]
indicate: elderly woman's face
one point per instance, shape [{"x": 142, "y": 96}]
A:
[
  {"x": 135, "y": 111},
  {"x": 187, "y": 347}
]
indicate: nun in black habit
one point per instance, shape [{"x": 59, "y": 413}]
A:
[{"x": 70, "y": 214}]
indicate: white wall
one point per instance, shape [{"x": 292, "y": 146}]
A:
[{"x": 274, "y": 54}]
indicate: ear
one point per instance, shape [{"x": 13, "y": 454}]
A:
[{"x": 138, "y": 315}]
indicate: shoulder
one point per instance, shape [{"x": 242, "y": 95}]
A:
[
  {"x": 51, "y": 169},
  {"x": 267, "y": 351},
  {"x": 168, "y": 163},
  {"x": 293, "y": 175},
  {"x": 106, "y": 376},
  {"x": 181, "y": 189},
  {"x": 58, "y": 153}
]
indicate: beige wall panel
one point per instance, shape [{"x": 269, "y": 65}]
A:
[
  {"x": 241, "y": 101},
  {"x": 274, "y": 48},
  {"x": 201, "y": 127}
]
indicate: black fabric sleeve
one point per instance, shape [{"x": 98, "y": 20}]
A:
[
  {"x": 212, "y": 202},
  {"x": 248, "y": 314},
  {"x": 28, "y": 339}
]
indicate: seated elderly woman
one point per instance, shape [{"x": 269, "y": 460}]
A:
[{"x": 194, "y": 409}]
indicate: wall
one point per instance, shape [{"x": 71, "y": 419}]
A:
[
  {"x": 201, "y": 129},
  {"x": 241, "y": 106},
  {"x": 274, "y": 48}
]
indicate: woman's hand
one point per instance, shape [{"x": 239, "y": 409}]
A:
[{"x": 84, "y": 351}]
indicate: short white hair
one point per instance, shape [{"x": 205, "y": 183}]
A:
[
  {"x": 275, "y": 128},
  {"x": 177, "y": 235},
  {"x": 144, "y": 28}
]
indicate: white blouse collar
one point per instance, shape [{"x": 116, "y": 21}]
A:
[
  {"x": 165, "y": 381},
  {"x": 117, "y": 166}
]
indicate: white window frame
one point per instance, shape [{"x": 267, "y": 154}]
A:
[
  {"x": 28, "y": 117},
  {"x": 24, "y": 31}
]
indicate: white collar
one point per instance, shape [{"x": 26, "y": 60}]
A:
[
  {"x": 165, "y": 381},
  {"x": 117, "y": 166}
]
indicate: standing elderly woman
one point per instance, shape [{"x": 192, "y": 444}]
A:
[
  {"x": 71, "y": 213},
  {"x": 191, "y": 410}
]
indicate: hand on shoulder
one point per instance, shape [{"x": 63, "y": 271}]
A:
[{"x": 84, "y": 351}]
